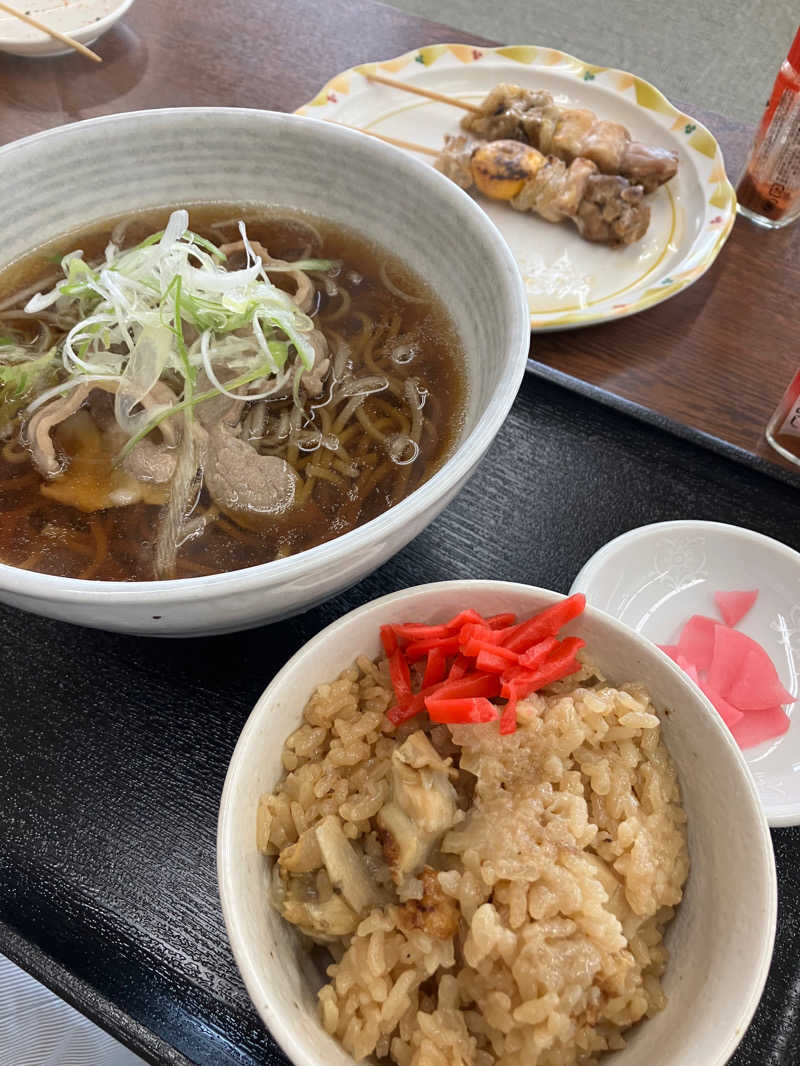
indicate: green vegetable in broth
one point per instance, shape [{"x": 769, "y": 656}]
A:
[{"x": 21, "y": 373}]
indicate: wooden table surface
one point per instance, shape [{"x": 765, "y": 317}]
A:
[
  {"x": 113, "y": 749},
  {"x": 715, "y": 358}
]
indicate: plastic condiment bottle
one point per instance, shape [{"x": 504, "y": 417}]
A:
[{"x": 769, "y": 190}]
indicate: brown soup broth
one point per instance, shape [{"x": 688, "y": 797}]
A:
[{"x": 116, "y": 544}]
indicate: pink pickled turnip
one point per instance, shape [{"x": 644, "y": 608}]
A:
[
  {"x": 758, "y": 726},
  {"x": 688, "y": 668},
  {"x": 758, "y": 685},
  {"x": 729, "y": 715},
  {"x": 734, "y": 671},
  {"x": 734, "y": 605},
  {"x": 696, "y": 642},
  {"x": 743, "y": 672},
  {"x": 726, "y": 659}
]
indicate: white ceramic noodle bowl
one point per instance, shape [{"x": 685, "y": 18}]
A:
[
  {"x": 60, "y": 180},
  {"x": 721, "y": 939}
]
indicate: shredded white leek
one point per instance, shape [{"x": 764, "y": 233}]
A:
[{"x": 171, "y": 305}]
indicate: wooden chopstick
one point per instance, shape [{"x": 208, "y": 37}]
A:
[
  {"x": 408, "y": 145},
  {"x": 410, "y": 87},
  {"x": 51, "y": 32}
]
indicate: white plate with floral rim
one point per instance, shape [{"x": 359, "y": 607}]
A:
[
  {"x": 656, "y": 577},
  {"x": 569, "y": 281}
]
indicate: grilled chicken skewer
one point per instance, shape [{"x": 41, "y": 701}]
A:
[
  {"x": 606, "y": 208},
  {"x": 511, "y": 112}
]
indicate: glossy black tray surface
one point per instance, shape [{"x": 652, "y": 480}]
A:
[{"x": 114, "y": 749}]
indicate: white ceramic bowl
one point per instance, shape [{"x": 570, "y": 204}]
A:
[
  {"x": 62, "y": 179},
  {"x": 656, "y": 577},
  {"x": 721, "y": 939},
  {"x": 83, "y": 20}
]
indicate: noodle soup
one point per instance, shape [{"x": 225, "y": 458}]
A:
[{"x": 196, "y": 395}]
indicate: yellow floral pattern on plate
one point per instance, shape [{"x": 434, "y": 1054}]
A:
[{"x": 717, "y": 211}]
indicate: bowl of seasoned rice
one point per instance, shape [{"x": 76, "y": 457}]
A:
[{"x": 476, "y": 822}]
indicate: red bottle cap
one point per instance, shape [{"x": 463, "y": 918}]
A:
[{"x": 794, "y": 52}]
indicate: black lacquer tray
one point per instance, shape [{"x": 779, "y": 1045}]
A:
[{"x": 114, "y": 749}]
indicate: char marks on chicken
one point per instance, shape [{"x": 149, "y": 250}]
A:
[
  {"x": 511, "y": 112},
  {"x": 606, "y": 209}
]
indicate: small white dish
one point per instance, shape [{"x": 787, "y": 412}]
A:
[
  {"x": 722, "y": 937},
  {"x": 569, "y": 281},
  {"x": 83, "y": 20},
  {"x": 656, "y": 577}
]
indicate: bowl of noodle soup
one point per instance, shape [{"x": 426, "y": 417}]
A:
[{"x": 235, "y": 383}]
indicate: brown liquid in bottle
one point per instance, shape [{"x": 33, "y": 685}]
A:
[
  {"x": 769, "y": 191},
  {"x": 771, "y": 201}
]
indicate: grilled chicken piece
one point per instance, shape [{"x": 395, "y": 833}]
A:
[
  {"x": 455, "y": 160},
  {"x": 303, "y": 856},
  {"x": 422, "y": 807},
  {"x": 612, "y": 211},
  {"x": 404, "y": 849},
  {"x": 555, "y": 192},
  {"x": 510, "y": 112},
  {"x": 502, "y": 112},
  {"x": 606, "y": 209},
  {"x": 648, "y": 165},
  {"x": 321, "y": 921},
  {"x": 435, "y": 914}
]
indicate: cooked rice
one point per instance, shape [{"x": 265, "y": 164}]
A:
[{"x": 533, "y": 937}]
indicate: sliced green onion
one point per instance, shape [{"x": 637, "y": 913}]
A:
[
  {"x": 304, "y": 264},
  {"x": 195, "y": 238},
  {"x": 177, "y": 281}
]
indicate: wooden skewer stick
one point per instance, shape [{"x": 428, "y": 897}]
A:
[
  {"x": 51, "y": 32},
  {"x": 410, "y": 87},
  {"x": 408, "y": 145}
]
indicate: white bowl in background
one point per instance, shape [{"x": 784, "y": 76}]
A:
[
  {"x": 656, "y": 577},
  {"x": 83, "y": 20},
  {"x": 722, "y": 937},
  {"x": 58, "y": 181}
]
